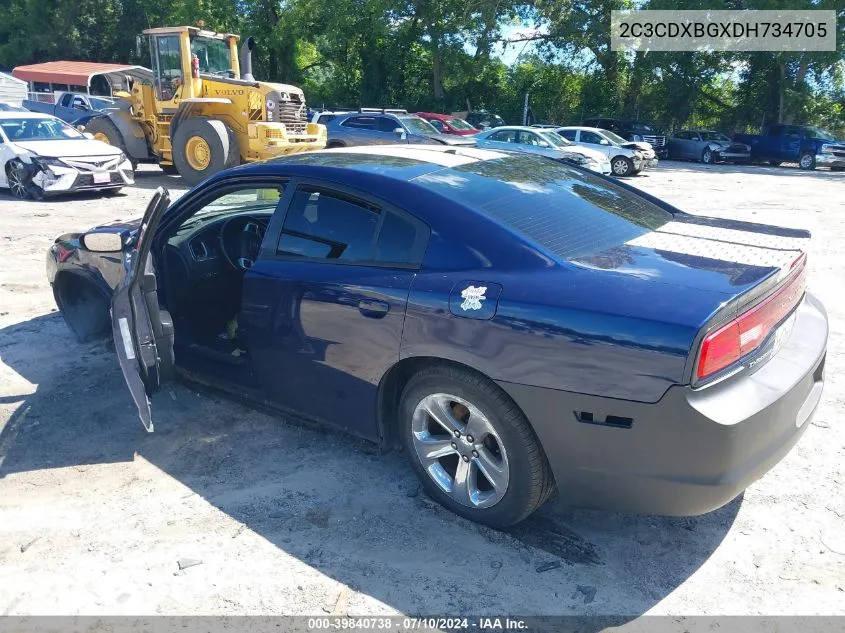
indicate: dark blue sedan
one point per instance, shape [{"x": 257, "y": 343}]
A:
[{"x": 517, "y": 325}]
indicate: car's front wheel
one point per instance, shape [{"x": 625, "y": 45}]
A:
[
  {"x": 472, "y": 448},
  {"x": 20, "y": 183},
  {"x": 622, "y": 166},
  {"x": 707, "y": 156},
  {"x": 807, "y": 161}
]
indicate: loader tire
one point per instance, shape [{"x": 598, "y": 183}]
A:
[
  {"x": 202, "y": 147},
  {"x": 106, "y": 131}
]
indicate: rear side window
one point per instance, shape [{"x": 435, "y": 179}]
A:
[
  {"x": 331, "y": 226},
  {"x": 360, "y": 122},
  {"x": 569, "y": 212},
  {"x": 323, "y": 225},
  {"x": 569, "y": 135},
  {"x": 402, "y": 239}
]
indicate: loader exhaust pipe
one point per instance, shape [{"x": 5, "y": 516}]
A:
[{"x": 246, "y": 59}]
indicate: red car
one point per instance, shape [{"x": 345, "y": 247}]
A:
[{"x": 447, "y": 124}]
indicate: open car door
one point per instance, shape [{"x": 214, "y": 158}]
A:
[{"x": 143, "y": 332}]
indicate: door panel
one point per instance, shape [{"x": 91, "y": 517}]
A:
[
  {"x": 322, "y": 335},
  {"x": 143, "y": 332},
  {"x": 324, "y": 306}
]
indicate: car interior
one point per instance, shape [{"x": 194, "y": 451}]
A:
[{"x": 202, "y": 264}]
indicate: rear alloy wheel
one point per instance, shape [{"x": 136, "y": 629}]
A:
[
  {"x": 707, "y": 156},
  {"x": 202, "y": 147},
  {"x": 471, "y": 447},
  {"x": 807, "y": 161},
  {"x": 622, "y": 166},
  {"x": 21, "y": 185}
]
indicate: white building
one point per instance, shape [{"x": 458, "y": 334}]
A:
[{"x": 12, "y": 90}]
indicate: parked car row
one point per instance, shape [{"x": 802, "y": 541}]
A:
[{"x": 383, "y": 126}]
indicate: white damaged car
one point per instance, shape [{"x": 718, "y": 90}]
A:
[{"x": 42, "y": 155}]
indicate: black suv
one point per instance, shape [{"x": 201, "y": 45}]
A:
[
  {"x": 631, "y": 131},
  {"x": 483, "y": 120}
]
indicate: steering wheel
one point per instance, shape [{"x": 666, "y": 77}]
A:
[{"x": 248, "y": 243}]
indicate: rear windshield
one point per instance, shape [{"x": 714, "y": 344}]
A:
[{"x": 569, "y": 212}]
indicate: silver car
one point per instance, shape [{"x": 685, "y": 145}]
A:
[
  {"x": 707, "y": 146},
  {"x": 544, "y": 142},
  {"x": 627, "y": 158}
]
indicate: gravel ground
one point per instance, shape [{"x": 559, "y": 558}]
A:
[{"x": 97, "y": 517}]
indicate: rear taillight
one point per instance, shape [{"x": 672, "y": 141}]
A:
[{"x": 730, "y": 342}]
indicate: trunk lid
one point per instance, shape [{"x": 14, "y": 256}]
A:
[{"x": 709, "y": 254}]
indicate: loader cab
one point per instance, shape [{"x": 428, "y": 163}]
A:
[{"x": 180, "y": 55}]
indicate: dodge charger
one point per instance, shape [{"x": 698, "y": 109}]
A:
[{"x": 518, "y": 326}]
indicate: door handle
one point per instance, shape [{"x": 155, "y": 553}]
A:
[{"x": 373, "y": 309}]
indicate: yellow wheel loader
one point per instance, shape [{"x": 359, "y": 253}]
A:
[{"x": 202, "y": 110}]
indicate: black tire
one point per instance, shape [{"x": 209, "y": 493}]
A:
[
  {"x": 222, "y": 145},
  {"x": 332, "y": 144},
  {"x": 20, "y": 182},
  {"x": 837, "y": 169},
  {"x": 530, "y": 481},
  {"x": 708, "y": 157},
  {"x": 807, "y": 161},
  {"x": 775, "y": 163},
  {"x": 622, "y": 166},
  {"x": 112, "y": 192},
  {"x": 104, "y": 127},
  {"x": 170, "y": 170}
]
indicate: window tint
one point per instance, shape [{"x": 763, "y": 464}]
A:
[
  {"x": 437, "y": 123},
  {"x": 529, "y": 138},
  {"x": 323, "y": 225},
  {"x": 386, "y": 124},
  {"x": 65, "y": 102},
  {"x": 505, "y": 136},
  {"x": 590, "y": 137},
  {"x": 326, "y": 118},
  {"x": 401, "y": 239},
  {"x": 569, "y": 135},
  {"x": 360, "y": 122}
]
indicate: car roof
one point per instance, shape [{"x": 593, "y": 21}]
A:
[
  {"x": 397, "y": 162},
  {"x": 520, "y": 128},
  {"x": 25, "y": 115},
  {"x": 434, "y": 115},
  {"x": 583, "y": 128}
]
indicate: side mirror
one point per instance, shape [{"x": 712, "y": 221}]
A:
[
  {"x": 102, "y": 242},
  {"x": 544, "y": 144},
  {"x": 88, "y": 135},
  {"x": 399, "y": 132},
  {"x": 604, "y": 141}
]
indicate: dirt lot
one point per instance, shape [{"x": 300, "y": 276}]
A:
[{"x": 96, "y": 515}]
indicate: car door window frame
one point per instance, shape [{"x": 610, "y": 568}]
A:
[
  {"x": 274, "y": 229},
  {"x": 198, "y": 199},
  {"x": 595, "y": 134},
  {"x": 349, "y": 123}
]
